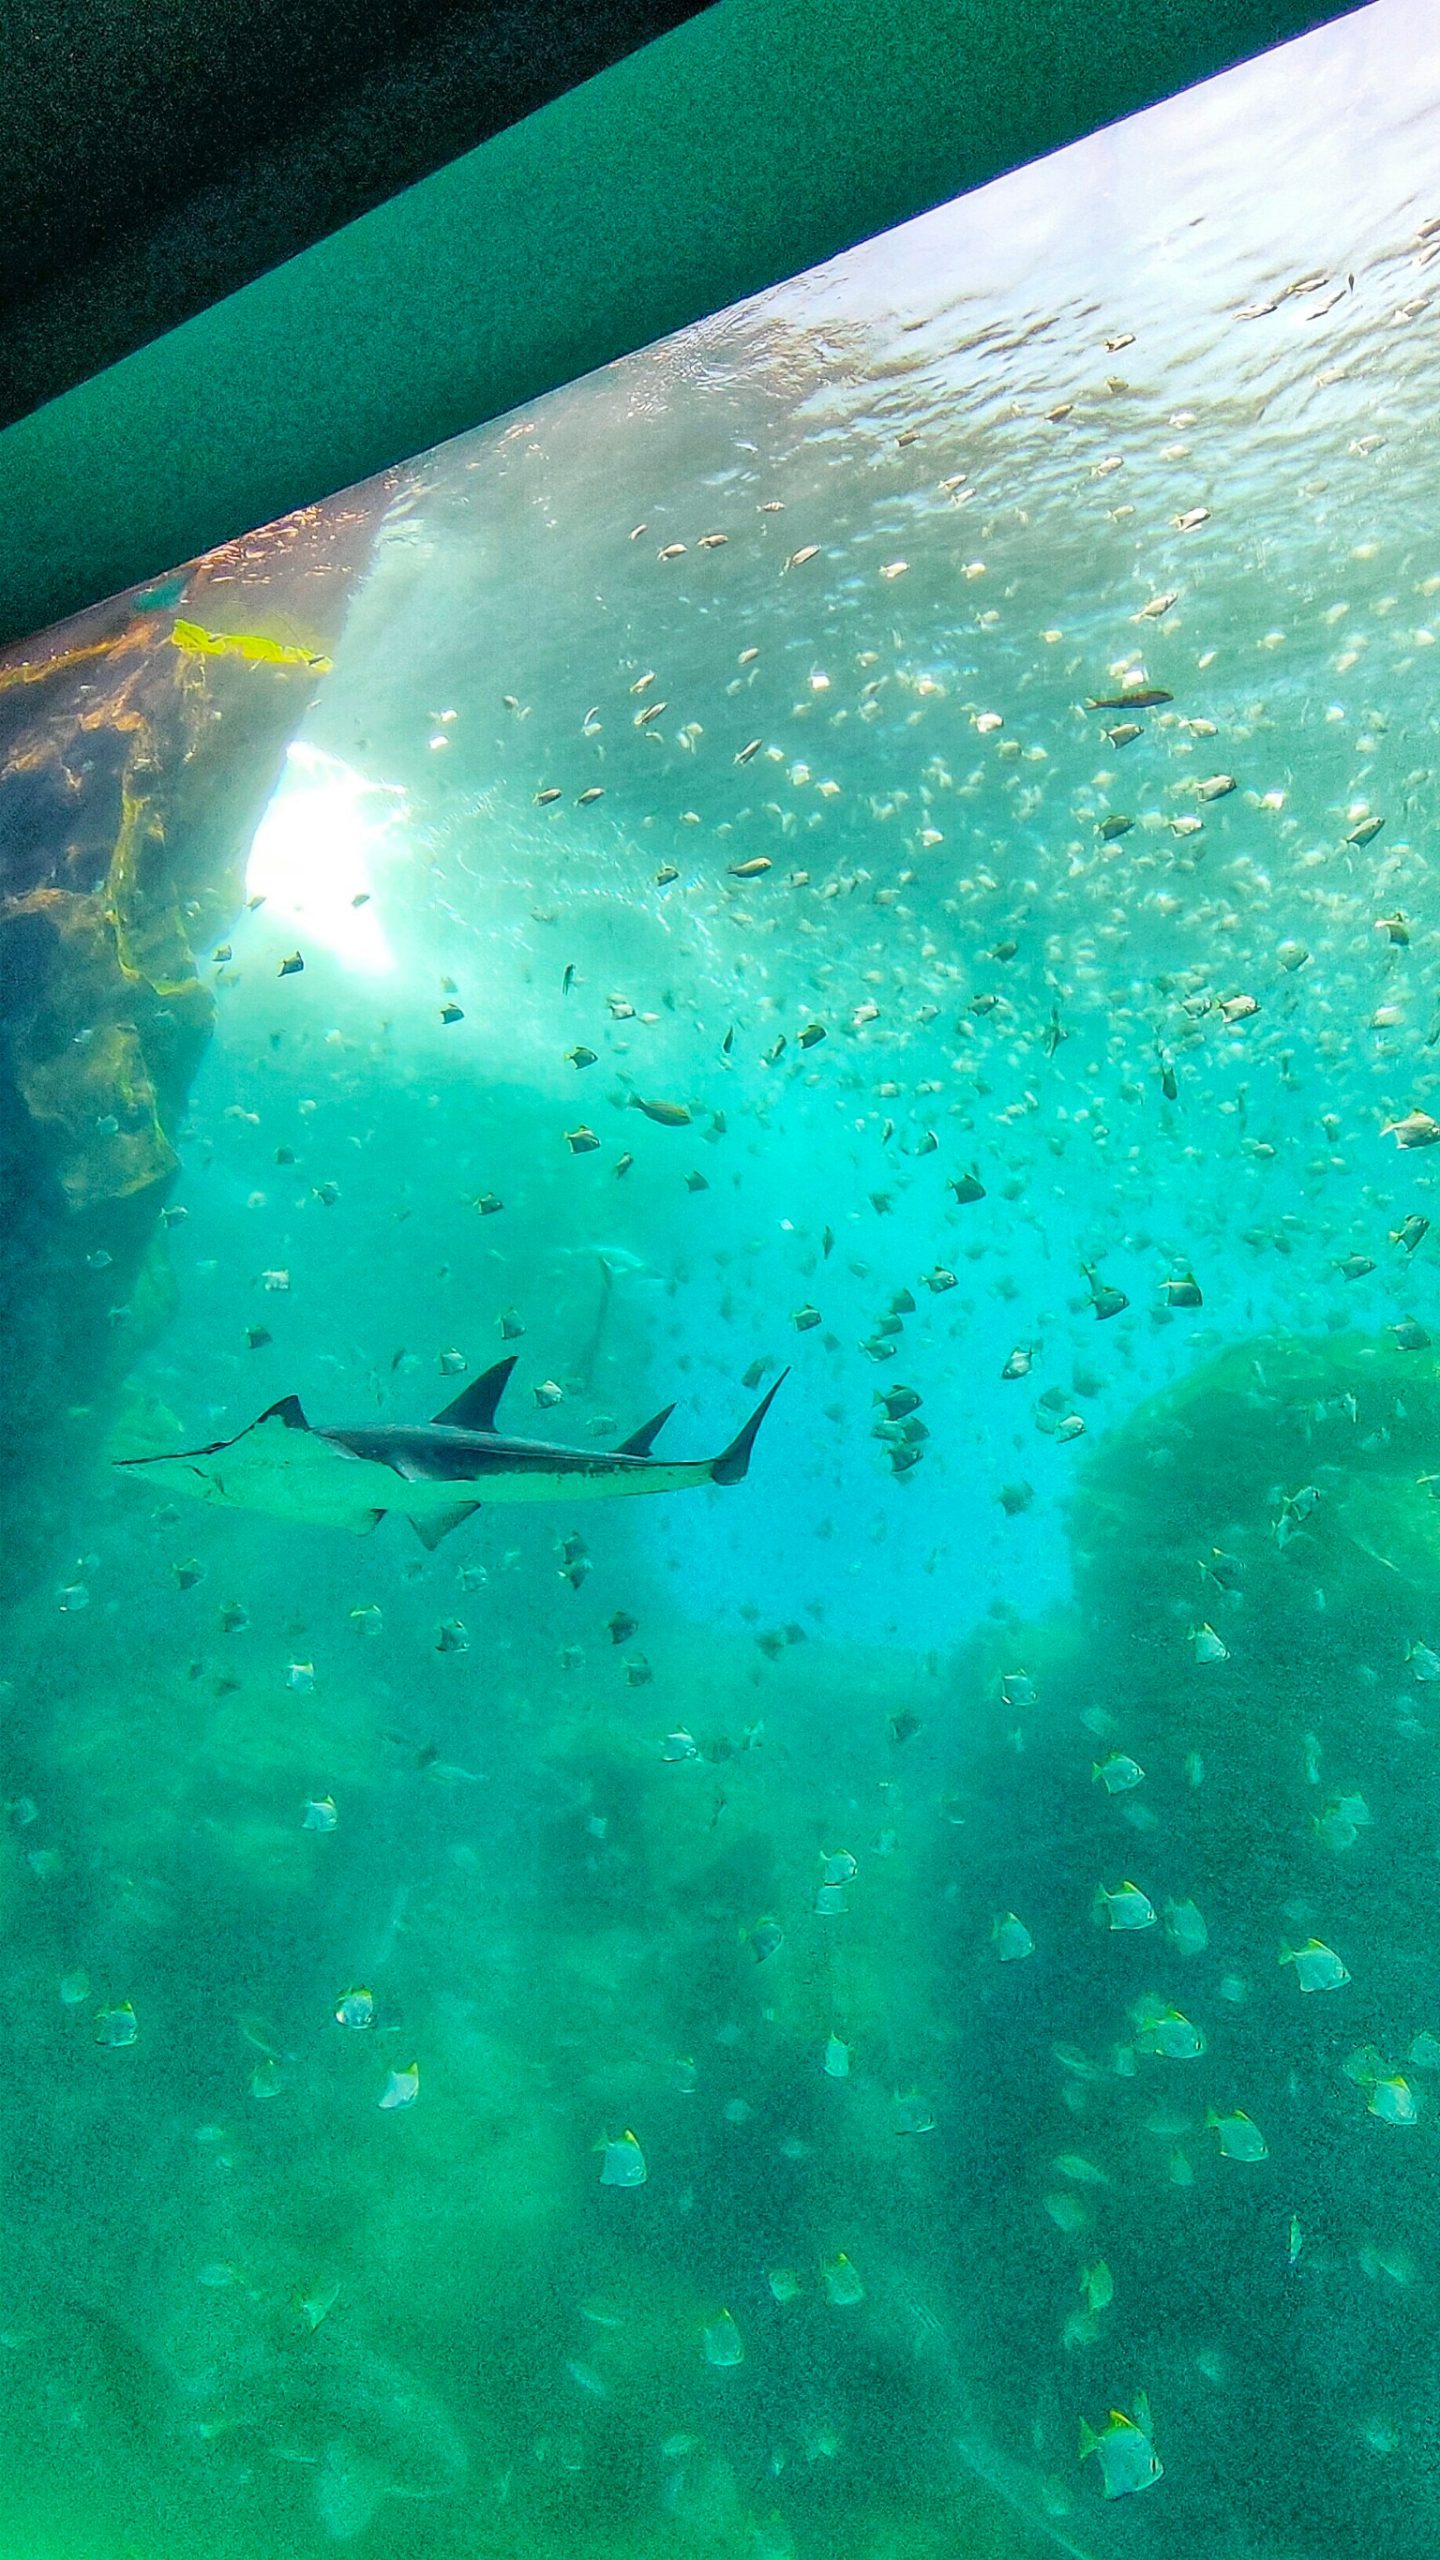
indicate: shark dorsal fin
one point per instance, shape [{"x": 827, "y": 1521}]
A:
[
  {"x": 475, "y": 1407},
  {"x": 732, "y": 1463},
  {"x": 289, "y": 1410},
  {"x": 641, "y": 1442}
]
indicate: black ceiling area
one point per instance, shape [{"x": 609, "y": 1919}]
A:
[{"x": 156, "y": 154}]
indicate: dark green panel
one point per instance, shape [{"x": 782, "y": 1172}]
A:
[
  {"x": 751, "y": 142},
  {"x": 219, "y": 137}
]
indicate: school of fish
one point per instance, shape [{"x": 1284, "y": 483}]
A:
[{"x": 886, "y": 844}]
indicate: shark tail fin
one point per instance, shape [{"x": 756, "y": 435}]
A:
[
  {"x": 641, "y": 1442},
  {"x": 475, "y": 1407},
  {"x": 732, "y": 1463},
  {"x": 440, "y": 1523}
]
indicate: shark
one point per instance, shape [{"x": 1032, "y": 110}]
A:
[{"x": 436, "y": 1474}]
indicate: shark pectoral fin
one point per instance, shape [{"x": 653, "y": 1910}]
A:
[
  {"x": 732, "y": 1463},
  {"x": 439, "y": 1524},
  {"x": 423, "y": 1466},
  {"x": 641, "y": 1442},
  {"x": 371, "y": 1521},
  {"x": 348, "y": 2491},
  {"x": 475, "y": 1407}
]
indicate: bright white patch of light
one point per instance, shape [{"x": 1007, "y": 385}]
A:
[{"x": 314, "y": 855}]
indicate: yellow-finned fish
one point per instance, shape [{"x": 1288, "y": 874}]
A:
[{"x": 200, "y": 643}]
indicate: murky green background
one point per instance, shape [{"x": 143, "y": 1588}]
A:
[{"x": 251, "y": 2310}]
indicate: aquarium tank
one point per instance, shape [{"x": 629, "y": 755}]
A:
[{"x": 722, "y": 1429}]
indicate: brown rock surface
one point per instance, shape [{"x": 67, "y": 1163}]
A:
[{"x": 133, "y": 773}]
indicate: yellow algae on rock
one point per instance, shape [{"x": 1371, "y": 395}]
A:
[
  {"x": 251, "y": 645},
  {"x": 99, "y": 1104},
  {"x": 150, "y": 937}
]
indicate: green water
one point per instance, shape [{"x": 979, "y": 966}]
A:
[{"x": 784, "y": 1827}]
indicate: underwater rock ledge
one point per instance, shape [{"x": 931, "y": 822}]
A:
[{"x": 133, "y": 773}]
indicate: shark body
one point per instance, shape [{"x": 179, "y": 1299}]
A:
[{"x": 435, "y": 1473}]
